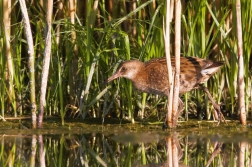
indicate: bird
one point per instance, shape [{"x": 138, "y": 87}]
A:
[{"x": 152, "y": 76}]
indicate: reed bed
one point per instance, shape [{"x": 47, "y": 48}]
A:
[{"x": 86, "y": 51}]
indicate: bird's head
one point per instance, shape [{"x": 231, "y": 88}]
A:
[{"x": 128, "y": 69}]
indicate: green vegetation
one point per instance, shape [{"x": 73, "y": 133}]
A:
[{"x": 87, "y": 51}]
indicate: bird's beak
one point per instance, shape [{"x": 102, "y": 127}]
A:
[{"x": 114, "y": 76}]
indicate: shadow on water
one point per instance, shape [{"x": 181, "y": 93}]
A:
[{"x": 83, "y": 144}]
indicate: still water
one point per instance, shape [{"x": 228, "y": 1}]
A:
[{"x": 119, "y": 145}]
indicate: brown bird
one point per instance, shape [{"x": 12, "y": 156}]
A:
[{"x": 152, "y": 76}]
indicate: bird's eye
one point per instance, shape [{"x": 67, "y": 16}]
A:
[{"x": 123, "y": 69}]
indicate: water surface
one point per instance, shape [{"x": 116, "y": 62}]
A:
[{"x": 119, "y": 144}]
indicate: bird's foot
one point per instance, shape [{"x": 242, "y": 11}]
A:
[
  {"x": 219, "y": 113},
  {"x": 216, "y": 106}
]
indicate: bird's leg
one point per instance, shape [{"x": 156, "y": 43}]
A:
[
  {"x": 216, "y": 106},
  {"x": 175, "y": 118},
  {"x": 180, "y": 108},
  {"x": 165, "y": 124}
]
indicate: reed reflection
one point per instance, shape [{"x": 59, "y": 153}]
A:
[{"x": 124, "y": 149}]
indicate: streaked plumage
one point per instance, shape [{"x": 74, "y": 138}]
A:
[{"x": 152, "y": 76}]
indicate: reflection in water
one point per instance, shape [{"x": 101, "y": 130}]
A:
[
  {"x": 41, "y": 151},
  {"x": 217, "y": 149},
  {"x": 33, "y": 149},
  {"x": 165, "y": 149},
  {"x": 174, "y": 151}
]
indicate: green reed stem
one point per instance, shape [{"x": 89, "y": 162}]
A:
[
  {"x": 61, "y": 151},
  {"x": 61, "y": 101}
]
